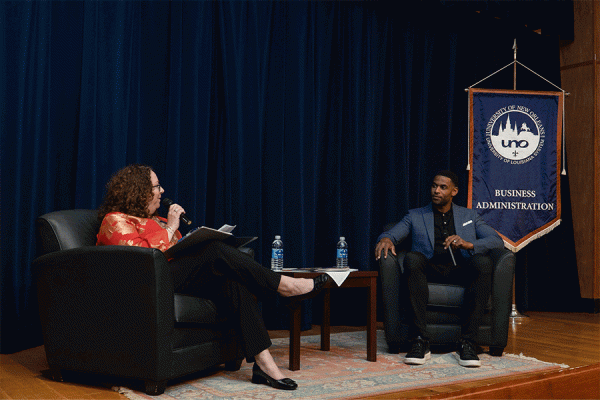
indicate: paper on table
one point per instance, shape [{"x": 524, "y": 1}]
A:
[
  {"x": 338, "y": 276},
  {"x": 227, "y": 228}
]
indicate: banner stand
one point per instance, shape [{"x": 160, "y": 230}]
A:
[{"x": 515, "y": 315}]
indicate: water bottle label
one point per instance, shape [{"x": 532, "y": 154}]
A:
[
  {"x": 342, "y": 253},
  {"x": 277, "y": 253}
]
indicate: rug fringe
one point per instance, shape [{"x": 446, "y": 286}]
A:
[
  {"x": 523, "y": 357},
  {"x": 130, "y": 394}
]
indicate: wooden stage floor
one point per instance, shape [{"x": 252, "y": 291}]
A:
[{"x": 565, "y": 338}]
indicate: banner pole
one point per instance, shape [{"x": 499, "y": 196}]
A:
[
  {"x": 514, "y": 313},
  {"x": 468, "y": 129},
  {"x": 515, "y": 65}
]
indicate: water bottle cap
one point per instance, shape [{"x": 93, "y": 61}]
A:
[
  {"x": 342, "y": 238},
  {"x": 277, "y": 237}
]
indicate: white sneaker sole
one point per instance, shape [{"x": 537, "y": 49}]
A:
[
  {"x": 418, "y": 361},
  {"x": 467, "y": 363}
]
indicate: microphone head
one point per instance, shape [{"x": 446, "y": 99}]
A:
[{"x": 167, "y": 203}]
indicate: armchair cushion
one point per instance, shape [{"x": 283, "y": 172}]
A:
[
  {"x": 445, "y": 295},
  {"x": 194, "y": 310}
]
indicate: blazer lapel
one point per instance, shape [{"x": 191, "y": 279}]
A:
[
  {"x": 428, "y": 221},
  {"x": 459, "y": 220}
]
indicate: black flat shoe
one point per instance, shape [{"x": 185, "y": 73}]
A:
[
  {"x": 319, "y": 283},
  {"x": 258, "y": 376}
]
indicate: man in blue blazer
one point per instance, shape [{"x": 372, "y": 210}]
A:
[{"x": 449, "y": 245}]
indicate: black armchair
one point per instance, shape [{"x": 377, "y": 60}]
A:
[
  {"x": 443, "y": 308},
  {"x": 112, "y": 309}
]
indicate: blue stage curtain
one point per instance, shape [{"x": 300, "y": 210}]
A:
[{"x": 311, "y": 120}]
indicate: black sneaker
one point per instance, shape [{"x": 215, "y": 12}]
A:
[
  {"x": 467, "y": 355},
  {"x": 419, "y": 352}
]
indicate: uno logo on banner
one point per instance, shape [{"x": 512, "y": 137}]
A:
[{"x": 515, "y": 134}]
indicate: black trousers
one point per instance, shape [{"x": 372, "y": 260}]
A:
[
  {"x": 233, "y": 281},
  {"x": 475, "y": 274}
]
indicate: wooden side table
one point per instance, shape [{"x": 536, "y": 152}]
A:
[{"x": 366, "y": 279}]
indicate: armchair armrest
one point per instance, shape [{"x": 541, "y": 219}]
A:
[
  {"x": 502, "y": 282},
  {"x": 106, "y": 302},
  {"x": 393, "y": 287}
]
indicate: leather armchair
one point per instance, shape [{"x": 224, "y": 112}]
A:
[
  {"x": 444, "y": 305},
  {"x": 112, "y": 309}
]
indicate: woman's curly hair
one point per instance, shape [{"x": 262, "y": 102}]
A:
[{"x": 128, "y": 191}]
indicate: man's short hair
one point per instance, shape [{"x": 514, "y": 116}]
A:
[{"x": 448, "y": 174}]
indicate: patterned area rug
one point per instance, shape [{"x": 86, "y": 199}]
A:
[{"x": 344, "y": 373}]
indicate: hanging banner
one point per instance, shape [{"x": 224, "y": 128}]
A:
[{"x": 515, "y": 158}]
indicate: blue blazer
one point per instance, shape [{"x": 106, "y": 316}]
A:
[{"x": 468, "y": 224}]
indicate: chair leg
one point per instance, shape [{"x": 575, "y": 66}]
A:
[
  {"x": 153, "y": 388},
  {"x": 393, "y": 348},
  {"x": 234, "y": 365},
  {"x": 496, "y": 351},
  {"x": 56, "y": 374}
]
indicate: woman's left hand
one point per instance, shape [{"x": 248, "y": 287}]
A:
[{"x": 175, "y": 211}]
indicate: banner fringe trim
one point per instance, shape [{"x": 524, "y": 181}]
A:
[{"x": 541, "y": 233}]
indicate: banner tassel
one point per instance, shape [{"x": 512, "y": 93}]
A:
[{"x": 514, "y": 249}]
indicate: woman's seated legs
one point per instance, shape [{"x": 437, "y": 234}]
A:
[
  {"x": 218, "y": 259},
  {"x": 214, "y": 274},
  {"x": 240, "y": 308}
]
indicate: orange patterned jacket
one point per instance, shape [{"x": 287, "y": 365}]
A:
[{"x": 127, "y": 230}]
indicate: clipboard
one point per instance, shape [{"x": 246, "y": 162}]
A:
[{"x": 187, "y": 244}]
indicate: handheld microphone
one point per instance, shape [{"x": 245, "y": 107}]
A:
[
  {"x": 452, "y": 255},
  {"x": 183, "y": 218}
]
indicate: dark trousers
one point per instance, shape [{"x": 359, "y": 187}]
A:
[
  {"x": 233, "y": 281},
  {"x": 474, "y": 274}
]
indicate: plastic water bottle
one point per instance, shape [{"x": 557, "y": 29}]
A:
[
  {"x": 342, "y": 254},
  {"x": 277, "y": 254}
]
